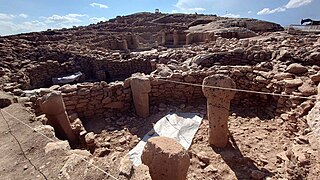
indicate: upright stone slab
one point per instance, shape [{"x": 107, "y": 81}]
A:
[
  {"x": 140, "y": 87},
  {"x": 218, "y": 104},
  {"x": 175, "y": 37},
  {"x": 166, "y": 159},
  {"x": 53, "y": 106}
]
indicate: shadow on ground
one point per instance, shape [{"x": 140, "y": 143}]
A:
[{"x": 243, "y": 167}]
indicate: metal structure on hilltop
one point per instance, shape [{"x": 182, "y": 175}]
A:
[{"x": 302, "y": 28}]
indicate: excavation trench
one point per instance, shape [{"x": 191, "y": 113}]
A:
[{"x": 104, "y": 107}]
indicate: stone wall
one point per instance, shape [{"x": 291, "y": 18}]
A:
[
  {"x": 41, "y": 74},
  {"x": 236, "y": 57},
  {"x": 245, "y": 77},
  {"x": 91, "y": 100}
]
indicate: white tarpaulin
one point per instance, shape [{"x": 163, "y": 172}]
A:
[
  {"x": 181, "y": 127},
  {"x": 67, "y": 79}
]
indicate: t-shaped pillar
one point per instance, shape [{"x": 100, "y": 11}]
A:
[
  {"x": 218, "y": 104},
  {"x": 53, "y": 106},
  {"x": 140, "y": 87}
]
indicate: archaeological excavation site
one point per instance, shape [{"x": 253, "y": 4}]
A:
[{"x": 163, "y": 97}]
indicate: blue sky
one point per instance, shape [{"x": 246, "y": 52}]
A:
[{"x": 17, "y": 16}]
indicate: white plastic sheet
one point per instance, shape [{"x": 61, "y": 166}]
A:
[
  {"x": 67, "y": 79},
  {"x": 181, "y": 127}
]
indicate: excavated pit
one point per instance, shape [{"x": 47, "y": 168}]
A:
[{"x": 105, "y": 106}]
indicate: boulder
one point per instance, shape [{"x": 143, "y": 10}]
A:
[
  {"x": 290, "y": 83},
  {"x": 296, "y": 68},
  {"x": 166, "y": 159}
]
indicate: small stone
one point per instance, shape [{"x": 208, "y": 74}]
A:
[
  {"x": 307, "y": 90},
  {"x": 296, "y": 68},
  {"x": 203, "y": 157},
  {"x": 89, "y": 138},
  {"x": 57, "y": 146},
  {"x": 238, "y": 50},
  {"x": 25, "y": 167},
  {"x": 105, "y": 144},
  {"x": 211, "y": 169},
  {"x": 122, "y": 140},
  {"x": 125, "y": 166},
  {"x": 315, "y": 78}
]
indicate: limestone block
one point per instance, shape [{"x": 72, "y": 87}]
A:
[
  {"x": 140, "y": 87},
  {"x": 166, "y": 159},
  {"x": 218, "y": 104},
  {"x": 53, "y": 106}
]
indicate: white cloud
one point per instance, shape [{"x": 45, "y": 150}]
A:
[
  {"x": 289, "y": 5},
  {"x": 9, "y": 27},
  {"x": 23, "y": 15},
  {"x": 297, "y": 3},
  {"x": 97, "y": 19},
  {"x": 6, "y": 17},
  {"x": 271, "y": 11},
  {"x": 69, "y": 18},
  {"x": 231, "y": 15},
  {"x": 197, "y": 9},
  {"x": 10, "y": 24},
  {"x": 99, "y": 5},
  {"x": 190, "y": 6},
  {"x": 249, "y": 12}
]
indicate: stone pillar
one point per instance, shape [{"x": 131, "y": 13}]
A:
[
  {"x": 166, "y": 159},
  {"x": 189, "y": 37},
  {"x": 163, "y": 38},
  {"x": 175, "y": 37},
  {"x": 53, "y": 106},
  {"x": 218, "y": 104},
  {"x": 140, "y": 87}
]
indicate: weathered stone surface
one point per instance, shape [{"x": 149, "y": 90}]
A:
[
  {"x": 315, "y": 56},
  {"x": 141, "y": 173},
  {"x": 140, "y": 86},
  {"x": 126, "y": 166},
  {"x": 166, "y": 159},
  {"x": 53, "y": 106},
  {"x": 290, "y": 83},
  {"x": 218, "y": 104},
  {"x": 57, "y": 146},
  {"x": 296, "y": 68},
  {"x": 89, "y": 139},
  {"x": 307, "y": 89},
  {"x": 68, "y": 88},
  {"x": 315, "y": 78}
]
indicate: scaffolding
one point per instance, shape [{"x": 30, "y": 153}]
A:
[{"x": 303, "y": 29}]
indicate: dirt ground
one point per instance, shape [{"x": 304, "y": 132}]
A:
[
  {"x": 14, "y": 165},
  {"x": 258, "y": 149}
]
